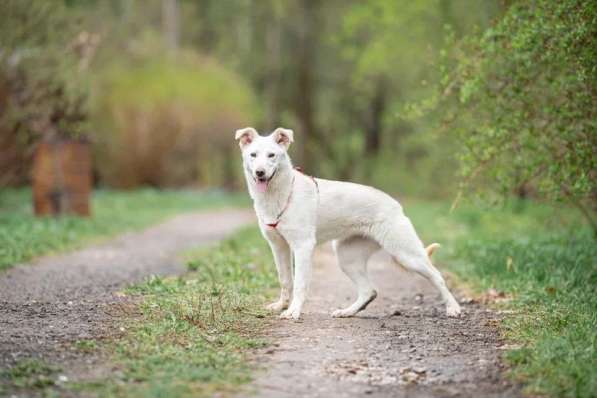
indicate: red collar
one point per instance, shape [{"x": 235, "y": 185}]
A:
[{"x": 275, "y": 224}]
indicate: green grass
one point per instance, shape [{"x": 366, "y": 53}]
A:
[
  {"x": 23, "y": 236},
  {"x": 29, "y": 374},
  {"x": 545, "y": 259},
  {"x": 193, "y": 332},
  {"x": 553, "y": 280}
]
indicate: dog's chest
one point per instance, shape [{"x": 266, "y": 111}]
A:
[{"x": 268, "y": 211}]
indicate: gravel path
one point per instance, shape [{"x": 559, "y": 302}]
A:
[
  {"x": 402, "y": 345},
  {"x": 49, "y": 304}
]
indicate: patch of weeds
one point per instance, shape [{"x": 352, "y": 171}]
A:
[
  {"x": 86, "y": 346},
  {"x": 30, "y": 374},
  {"x": 194, "y": 330}
]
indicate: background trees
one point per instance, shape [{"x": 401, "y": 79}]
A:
[
  {"x": 42, "y": 94},
  {"x": 411, "y": 96}
]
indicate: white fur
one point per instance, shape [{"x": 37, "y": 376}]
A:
[{"x": 359, "y": 219}]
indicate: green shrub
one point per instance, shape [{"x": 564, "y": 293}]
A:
[
  {"x": 524, "y": 96},
  {"x": 169, "y": 122}
]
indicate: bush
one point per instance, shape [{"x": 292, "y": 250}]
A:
[
  {"x": 169, "y": 122},
  {"x": 525, "y": 95}
]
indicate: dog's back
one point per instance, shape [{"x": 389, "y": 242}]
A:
[{"x": 347, "y": 208}]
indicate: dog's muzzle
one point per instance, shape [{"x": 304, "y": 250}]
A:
[{"x": 261, "y": 181}]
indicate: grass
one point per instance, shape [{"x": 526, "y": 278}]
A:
[
  {"x": 29, "y": 374},
  {"x": 553, "y": 280},
  {"x": 193, "y": 331},
  {"x": 24, "y": 236},
  {"x": 545, "y": 259}
]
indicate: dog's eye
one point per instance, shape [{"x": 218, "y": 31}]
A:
[
  {"x": 271, "y": 155},
  {"x": 254, "y": 154}
]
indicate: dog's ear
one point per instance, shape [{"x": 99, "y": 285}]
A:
[
  {"x": 283, "y": 137},
  {"x": 245, "y": 136}
]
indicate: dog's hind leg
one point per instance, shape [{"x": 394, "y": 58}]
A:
[
  {"x": 398, "y": 237},
  {"x": 352, "y": 254}
]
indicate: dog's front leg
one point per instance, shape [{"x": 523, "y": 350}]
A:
[
  {"x": 303, "y": 254},
  {"x": 283, "y": 260}
]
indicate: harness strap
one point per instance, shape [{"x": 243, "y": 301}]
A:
[
  {"x": 275, "y": 224},
  {"x": 300, "y": 170}
]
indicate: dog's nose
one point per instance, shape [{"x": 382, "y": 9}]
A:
[{"x": 259, "y": 173}]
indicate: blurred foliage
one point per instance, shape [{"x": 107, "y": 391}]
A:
[
  {"x": 401, "y": 95},
  {"x": 166, "y": 122},
  {"x": 340, "y": 73},
  {"x": 390, "y": 50},
  {"x": 42, "y": 95},
  {"x": 523, "y": 100},
  {"x": 170, "y": 80}
]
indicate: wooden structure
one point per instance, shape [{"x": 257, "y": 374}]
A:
[{"x": 62, "y": 178}]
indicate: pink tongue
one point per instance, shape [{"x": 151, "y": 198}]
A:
[{"x": 262, "y": 186}]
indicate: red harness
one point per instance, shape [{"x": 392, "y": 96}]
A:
[{"x": 300, "y": 170}]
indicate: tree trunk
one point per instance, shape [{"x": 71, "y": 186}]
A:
[
  {"x": 377, "y": 108},
  {"x": 62, "y": 178},
  {"x": 304, "y": 105},
  {"x": 273, "y": 67},
  {"x": 171, "y": 24}
]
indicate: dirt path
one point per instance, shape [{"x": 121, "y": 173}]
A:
[
  {"x": 57, "y": 300},
  {"x": 402, "y": 345}
]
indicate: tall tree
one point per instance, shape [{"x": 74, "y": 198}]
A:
[
  {"x": 171, "y": 24},
  {"x": 305, "y": 84}
]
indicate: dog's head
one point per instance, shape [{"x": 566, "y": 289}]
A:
[{"x": 263, "y": 156}]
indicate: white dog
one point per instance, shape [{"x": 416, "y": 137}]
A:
[{"x": 296, "y": 212}]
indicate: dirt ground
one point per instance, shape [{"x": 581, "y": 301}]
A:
[
  {"x": 55, "y": 301},
  {"x": 402, "y": 345}
]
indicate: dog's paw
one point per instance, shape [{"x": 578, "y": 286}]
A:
[
  {"x": 344, "y": 313},
  {"x": 277, "y": 306},
  {"x": 291, "y": 313},
  {"x": 453, "y": 310}
]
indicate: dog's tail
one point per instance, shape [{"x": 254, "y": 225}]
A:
[{"x": 431, "y": 248}]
